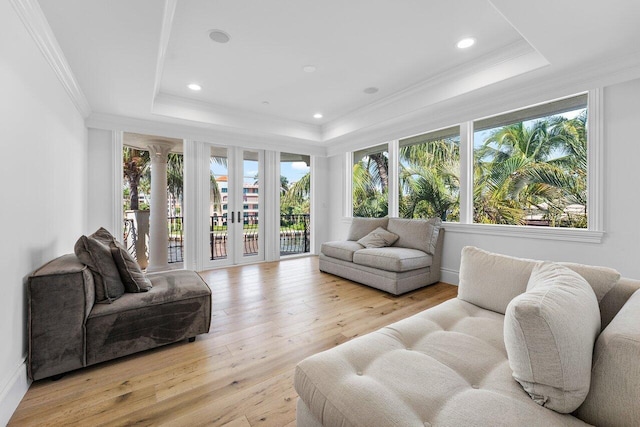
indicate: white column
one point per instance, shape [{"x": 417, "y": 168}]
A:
[{"x": 158, "y": 226}]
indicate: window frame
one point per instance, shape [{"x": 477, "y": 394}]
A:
[{"x": 592, "y": 234}]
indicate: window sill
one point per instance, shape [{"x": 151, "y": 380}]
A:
[{"x": 529, "y": 232}]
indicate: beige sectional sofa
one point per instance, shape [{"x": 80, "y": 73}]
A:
[
  {"x": 397, "y": 265},
  {"x": 465, "y": 362}
]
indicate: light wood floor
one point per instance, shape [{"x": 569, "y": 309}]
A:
[{"x": 266, "y": 318}]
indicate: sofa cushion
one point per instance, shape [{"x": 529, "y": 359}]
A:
[
  {"x": 360, "y": 227},
  {"x": 615, "y": 378},
  {"x": 446, "y": 366},
  {"x": 341, "y": 249},
  {"x": 95, "y": 252},
  {"x": 378, "y": 238},
  {"x": 601, "y": 279},
  {"x": 491, "y": 280},
  {"x": 132, "y": 276},
  {"x": 417, "y": 234},
  {"x": 177, "y": 307},
  {"x": 549, "y": 332},
  {"x": 392, "y": 259}
]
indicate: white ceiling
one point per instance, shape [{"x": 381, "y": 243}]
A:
[{"x": 135, "y": 58}]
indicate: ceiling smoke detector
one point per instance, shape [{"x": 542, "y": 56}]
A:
[{"x": 219, "y": 36}]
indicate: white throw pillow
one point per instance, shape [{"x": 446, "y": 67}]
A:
[
  {"x": 549, "y": 334},
  {"x": 378, "y": 238}
]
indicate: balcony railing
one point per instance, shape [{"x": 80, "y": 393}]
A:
[{"x": 294, "y": 236}]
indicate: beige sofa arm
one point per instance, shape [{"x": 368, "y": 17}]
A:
[
  {"x": 60, "y": 296},
  {"x": 614, "y": 395}
]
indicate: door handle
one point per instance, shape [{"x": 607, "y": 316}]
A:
[
  {"x": 239, "y": 216},
  {"x": 232, "y": 217}
]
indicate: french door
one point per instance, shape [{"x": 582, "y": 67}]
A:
[{"x": 235, "y": 233}]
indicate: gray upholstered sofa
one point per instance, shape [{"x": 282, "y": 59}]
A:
[
  {"x": 460, "y": 363},
  {"x": 70, "y": 327},
  {"x": 409, "y": 262}
]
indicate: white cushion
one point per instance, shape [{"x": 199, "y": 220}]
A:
[
  {"x": 491, "y": 280},
  {"x": 341, "y": 249},
  {"x": 393, "y": 259},
  {"x": 360, "y": 227},
  {"x": 601, "y": 279},
  {"x": 549, "y": 333},
  {"x": 378, "y": 238},
  {"x": 417, "y": 234}
]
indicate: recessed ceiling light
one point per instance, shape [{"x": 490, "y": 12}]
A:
[
  {"x": 371, "y": 90},
  {"x": 309, "y": 68},
  {"x": 219, "y": 36},
  {"x": 194, "y": 86},
  {"x": 317, "y": 116},
  {"x": 265, "y": 102},
  {"x": 466, "y": 42}
]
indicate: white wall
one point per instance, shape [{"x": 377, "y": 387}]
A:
[
  {"x": 43, "y": 187},
  {"x": 320, "y": 203},
  {"x": 100, "y": 160},
  {"x": 620, "y": 247}
]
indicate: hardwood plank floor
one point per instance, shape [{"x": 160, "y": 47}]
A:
[{"x": 266, "y": 318}]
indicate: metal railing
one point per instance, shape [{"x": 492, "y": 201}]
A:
[
  {"x": 130, "y": 236},
  {"x": 294, "y": 235},
  {"x": 176, "y": 239}
]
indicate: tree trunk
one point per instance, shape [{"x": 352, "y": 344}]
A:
[
  {"x": 133, "y": 186},
  {"x": 381, "y": 164}
]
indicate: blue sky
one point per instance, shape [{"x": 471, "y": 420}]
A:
[{"x": 292, "y": 170}]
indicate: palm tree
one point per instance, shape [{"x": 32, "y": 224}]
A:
[
  {"x": 175, "y": 177},
  {"x": 369, "y": 192},
  {"x": 429, "y": 179},
  {"x": 542, "y": 165},
  {"x": 215, "y": 193},
  {"x": 299, "y": 191},
  {"x": 135, "y": 164}
]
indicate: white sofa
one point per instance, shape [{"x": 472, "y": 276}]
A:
[
  {"x": 449, "y": 365},
  {"x": 410, "y": 262}
]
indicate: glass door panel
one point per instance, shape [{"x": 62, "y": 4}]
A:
[
  {"x": 218, "y": 203},
  {"x": 249, "y": 206},
  {"x": 234, "y": 206}
]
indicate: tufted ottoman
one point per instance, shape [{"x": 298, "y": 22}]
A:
[{"x": 446, "y": 366}]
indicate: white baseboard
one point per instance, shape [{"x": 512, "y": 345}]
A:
[
  {"x": 449, "y": 276},
  {"x": 13, "y": 393}
]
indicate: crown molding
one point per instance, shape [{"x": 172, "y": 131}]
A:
[
  {"x": 201, "y": 132},
  {"x": 532, "y": 88},
  {"x": 210, "y": 114},
  {"x": 512, "y": 60},
  {"x": 36, "y": 24},
  {"x": 165, "y": 32}
]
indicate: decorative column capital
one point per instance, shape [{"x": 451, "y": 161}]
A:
[{"x": 159, "y": 150}]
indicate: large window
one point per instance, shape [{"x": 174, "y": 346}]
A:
[
  {"x": 429, "y": 175},
  {"x": 530, "y": 166},
  {"x": 370, "y": 182}
]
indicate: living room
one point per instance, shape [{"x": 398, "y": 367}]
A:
[{"x": 68, "y": 97}]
